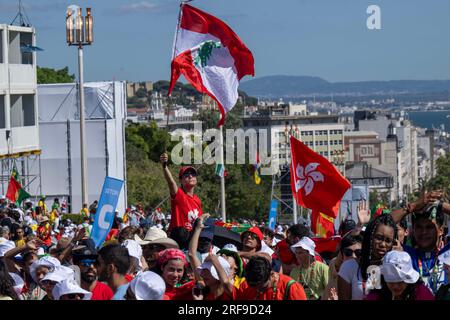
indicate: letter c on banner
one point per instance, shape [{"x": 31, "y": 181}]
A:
[{"x": 102, "y": 223}]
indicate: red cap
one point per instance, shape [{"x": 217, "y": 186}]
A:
[
  {"x": 256, "y": 231},
  {"x": 184, "y": 169}
]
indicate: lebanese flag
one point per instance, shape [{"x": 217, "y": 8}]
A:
[
  {"x": 210, "y": 56},
  {"x": 316, "y": 184},
  {"x": 322, "y": 225}
]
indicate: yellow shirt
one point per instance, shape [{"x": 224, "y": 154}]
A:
[{"x": 85, "y": 212}]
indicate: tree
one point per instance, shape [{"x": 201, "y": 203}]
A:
[
  {"x": 441, "y": 180},
  {"x": 48, "y": 75}
]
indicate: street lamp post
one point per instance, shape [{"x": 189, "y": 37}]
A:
[{"x": 79, "y": 32}]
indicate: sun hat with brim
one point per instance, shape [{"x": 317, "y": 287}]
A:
[
  {"x": 46, "y": 261},
  {"x": 60, "y": 273},
  {"x": 209, "y": 266},
  {"x": 42, "y": 219},
  {"x": 69, "y": 287},
  {"x": 397, "y": 267},
  {"x": 166, "y": 242},
  {"x": 231, "y": 251},
  {"x": 305, "y": 243},
  {"x": 148, "y": 286},
  {"x": 445, "y": 257}
]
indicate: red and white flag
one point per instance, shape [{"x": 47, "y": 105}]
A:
[
  {"x": 316, "y": 184},
  {"x": 210, "y": 56}
]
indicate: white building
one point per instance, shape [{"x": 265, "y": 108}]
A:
[{"x": 19, "y": 130}]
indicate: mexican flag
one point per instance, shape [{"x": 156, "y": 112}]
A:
[
  {"x": 221, "y": 171},
  {"x": 15, "y": 192},
  {"x": 210, "y": 56}
]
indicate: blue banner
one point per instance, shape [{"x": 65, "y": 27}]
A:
[
  {"x": 107, "y": 204},
  {"x": 273, "y": 214}
]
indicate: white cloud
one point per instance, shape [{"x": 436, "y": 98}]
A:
[{"x": 142, "y": 6}]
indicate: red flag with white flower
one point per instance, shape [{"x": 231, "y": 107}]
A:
[
  {"x": 316, "y": 184},
  {"x": 210, "y": 56}
]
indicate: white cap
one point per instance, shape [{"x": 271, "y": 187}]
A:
[
  {"x": 45, "y": 261},
  {"x": 397, "y": 267},
  {"x": 266, "y": 249},
  {"x": 60, "y": 274},
  {"x": 445, "y": 257},
  {"x": 69, "y": 287},
  {"x": 18, "y": 282},
  {"x": 209, "y": 266},
  {"x": 134, "y": 249},
  {"x": 148, "y": 286},
  {"x": 230, "y": 247},
  {"x": 307, "y": 244},
  {"x": 5, "y": 246}
]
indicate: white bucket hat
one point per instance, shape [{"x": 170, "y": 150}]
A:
[
  {"x": 230, "y": 247},
  {"x": 60, "y": 273},
  {"x": 69, "y": 287},
  {"x": 445, "y": 257},
  {"x": 18, "y": 283},
  {"x": 307, "y": 244},
  {"x": 209, "y": 266},
  {"x": 148, "y": 286},
  {"x": 397, "y": 267},
  {"x": 5, "y": 246},
  {"x": 46, "y": 261}
]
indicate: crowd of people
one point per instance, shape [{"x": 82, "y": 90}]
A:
[{"x": 398, "y": 255}]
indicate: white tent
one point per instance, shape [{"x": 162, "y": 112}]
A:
[{"x": 59, "y": 130}]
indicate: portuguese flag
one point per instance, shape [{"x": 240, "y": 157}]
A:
[{"x": 15, "y": 191}]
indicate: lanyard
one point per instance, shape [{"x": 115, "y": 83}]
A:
[{"x": 433, "y": 273}]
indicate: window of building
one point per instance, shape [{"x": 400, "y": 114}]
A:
[
  {"x": 1, "y": 46},
  {"x": 340, "y": 142},
  {"x": 2, "y": 112},
  {"x": 22, "y": 110},
  {"x": 321, "y": 143},
  {"x": 325, "y": 153},
  {"x": 17, "y": 40},
  {"x": 325, "y": 143}
]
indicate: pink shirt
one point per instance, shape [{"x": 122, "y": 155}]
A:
[{"x": 422, "y": 293}]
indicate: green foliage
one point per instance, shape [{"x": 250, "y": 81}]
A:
[
  {"x": 141, "y": 93},
  {"x": 75, "y": 217},
  {"x": 48, "y": 75},
  {"x": 441, "y": 180}
]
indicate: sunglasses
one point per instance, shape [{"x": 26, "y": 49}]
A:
[
  {"x": 380, "y": 238},
  {"x": 88, "y": 262},
  {"x": 191, "y": 173},
  {"x": 250, "y": 235},
  {"x": 74, "y": 295},
  {"x": 349, "y": 252}
]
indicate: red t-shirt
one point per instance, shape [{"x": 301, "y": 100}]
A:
[
  {"x": 102, "y": 292},
  {"x": 296, "y": 292},
  {"x": 185, "y": 210},
  {"x": 180, "y": 293}
]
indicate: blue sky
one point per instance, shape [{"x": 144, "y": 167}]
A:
[{"x": 325, "y": 38}]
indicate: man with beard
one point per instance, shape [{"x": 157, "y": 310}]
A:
[
  {"x": 113, "y": 263},
  {"x": 86, "y": 259}
]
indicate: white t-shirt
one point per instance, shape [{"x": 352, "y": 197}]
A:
[{"x": 350, "y": 272}]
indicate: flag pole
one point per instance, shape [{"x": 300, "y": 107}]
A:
[{"x": 222, "y": 179}]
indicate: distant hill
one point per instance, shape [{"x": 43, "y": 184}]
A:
[{"x": 305, "y": 86}]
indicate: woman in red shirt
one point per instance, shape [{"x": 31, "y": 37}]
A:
[{"x": 172, "y": 264}]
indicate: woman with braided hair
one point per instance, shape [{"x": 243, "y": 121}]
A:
[{"x": 354, "y": 281}]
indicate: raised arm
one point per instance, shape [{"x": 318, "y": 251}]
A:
[
  {"x": 193, "y": 245},
  {"x": 224, "y": 279},
  {"x": 425, "y": 199},
  {"x": 173, "y": 187}
]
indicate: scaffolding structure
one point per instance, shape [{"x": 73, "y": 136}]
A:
[{"x": 28, "y": 166}]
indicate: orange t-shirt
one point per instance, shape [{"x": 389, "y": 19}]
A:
[{"x": 296, "y": 292}]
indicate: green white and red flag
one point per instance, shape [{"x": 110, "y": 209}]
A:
[{"x": 210, "y": 56}]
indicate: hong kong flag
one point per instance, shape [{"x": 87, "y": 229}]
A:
[{"x": 316, "y": 184}]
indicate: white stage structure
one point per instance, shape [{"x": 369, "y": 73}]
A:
[{"x": 59, "y": 130}]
